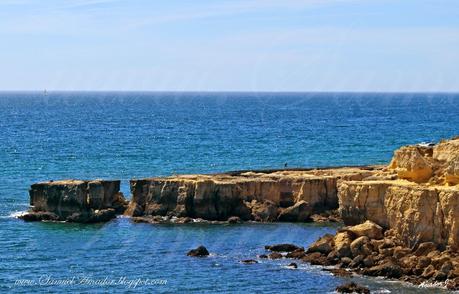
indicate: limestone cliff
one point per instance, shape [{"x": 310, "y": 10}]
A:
[
  {"x": 263, "y": 196},
  {"x": 413, "y": 212},
  {"x": 75, "y": 200},
  {"x": 420, "y": 205}
]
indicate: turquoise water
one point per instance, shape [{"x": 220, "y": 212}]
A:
[{"x": 125, "y": 135}]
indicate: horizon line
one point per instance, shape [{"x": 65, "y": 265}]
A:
[{"x": 229, "y": 91}]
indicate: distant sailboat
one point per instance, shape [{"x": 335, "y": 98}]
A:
[{"x": 45, "y": 92}]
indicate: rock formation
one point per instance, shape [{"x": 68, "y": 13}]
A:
[
  {"x": 260, "y": 196},
  {"x": 405, "y": 215},
  {"x": 366, "y": 250},
  {"x": 420, "y": 205},
  {"x": 417, "y": 207},
  {"x": 75, "y": 201}
]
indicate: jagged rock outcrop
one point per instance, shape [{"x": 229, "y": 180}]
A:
[
  {"x": 413, "y": 163},
  {"x": 75, "y": 201},
  {"x": 428, "y": 163},
  {"x": 421, "y": 205},
  {"x": 262, "y": 196}
]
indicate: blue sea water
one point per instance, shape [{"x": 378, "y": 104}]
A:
[{"x": 125, "y": 135}]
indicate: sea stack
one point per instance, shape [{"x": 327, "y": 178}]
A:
[{"x": 75, "y": 201}]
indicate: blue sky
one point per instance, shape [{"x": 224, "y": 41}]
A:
[{"x": 230, "y": 45}]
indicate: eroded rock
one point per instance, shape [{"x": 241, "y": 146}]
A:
[
  {"x": 75, "y": 201},
  {"x": 260, "y": 196}
]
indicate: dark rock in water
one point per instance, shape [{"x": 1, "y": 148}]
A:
[
  {"x": 275, "y": 255},
  {"x": 282, "y": 247},
  {"x": 388, "y": 269},
  {"x": 262, "y": 256},
  {"x": 76, "y": 201},
  {"x": 299, "y": 212},
  {"x": 293, "y": 265},
  {"x": 198, "y": 252},
  {"x": 352, "y": 288},
  {"x": 249, "y": 261},
  {"x": 39, "y": 216},
  {"x": 234, "y": 220}
]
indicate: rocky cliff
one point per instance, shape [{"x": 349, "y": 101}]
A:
[
  {"x": 261, "y": 196},
  {"x": 75, "y": 200},
  {"x": 420, "y": 204},
  {"x": 414, "y": 213}
]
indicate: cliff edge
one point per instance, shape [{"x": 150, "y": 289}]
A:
[
  {"x": 421, "y": 204},
  {"x": 287, "y": 195}
]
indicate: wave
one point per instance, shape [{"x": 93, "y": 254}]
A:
[{"x": 16, "y": 214}]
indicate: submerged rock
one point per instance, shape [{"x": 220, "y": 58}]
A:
[
  {"x": 249, "y": 261},
  {"x": 198, "y": 252}
]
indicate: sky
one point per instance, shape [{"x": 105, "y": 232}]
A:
[{"x": 230, "y": 45}]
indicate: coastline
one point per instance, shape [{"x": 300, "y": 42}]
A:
[{"x": 403, "y": 217}]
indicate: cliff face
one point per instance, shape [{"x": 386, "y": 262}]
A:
[
  {"x": 420, "y": 205},
  {"x": 282, "y": 195},
  {"x": 414, "y": 213},
  {"x": 74, "y": 200}
]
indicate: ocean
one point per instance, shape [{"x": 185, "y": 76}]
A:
[{"x": 124, "y": 135}]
